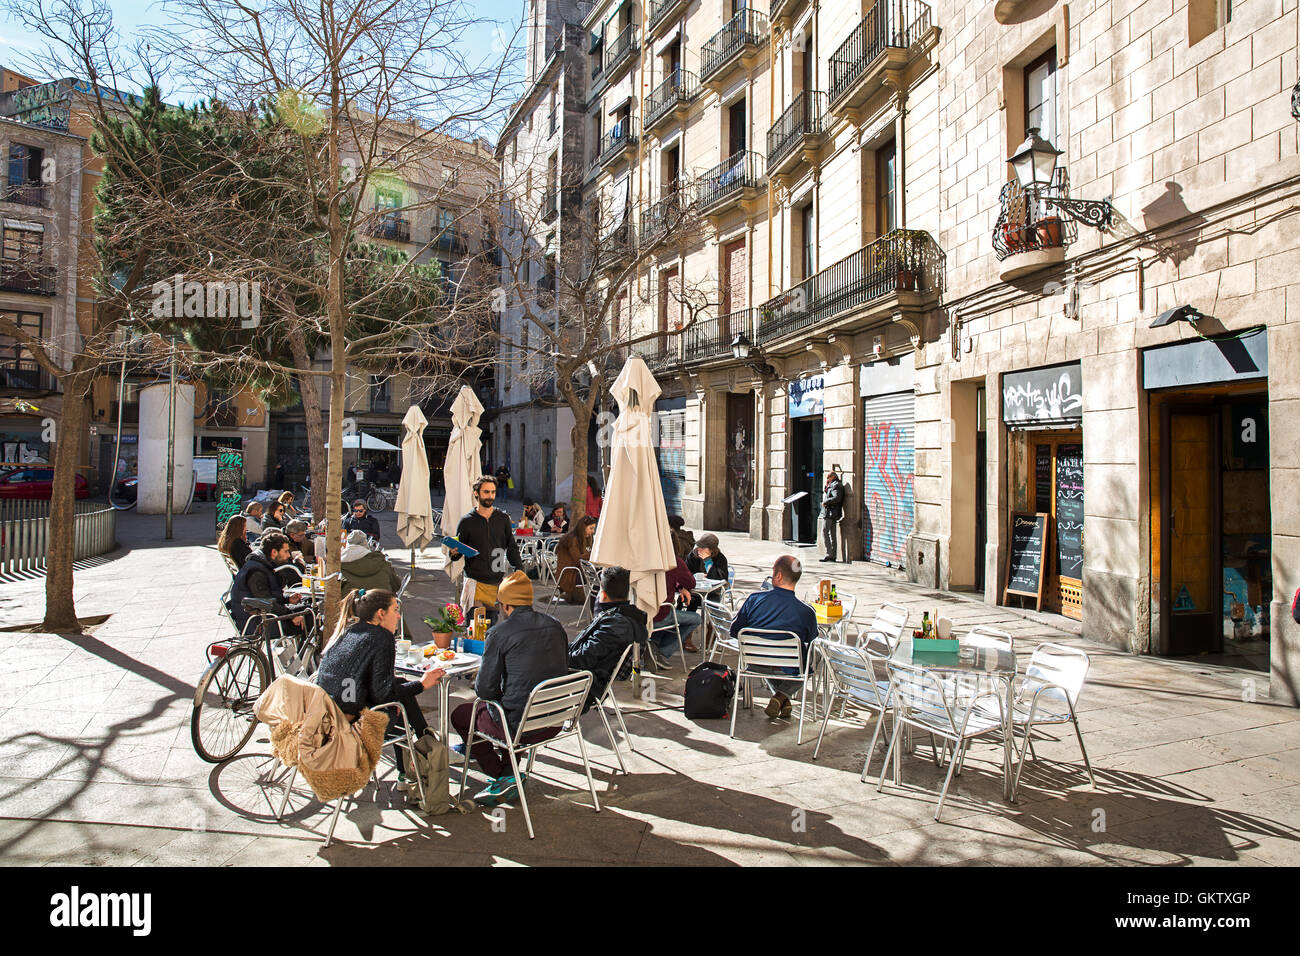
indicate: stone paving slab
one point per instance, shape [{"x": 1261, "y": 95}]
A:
[{"x": 96, "y": 765}]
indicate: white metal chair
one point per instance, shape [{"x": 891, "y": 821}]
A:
[
  {"x": 919, "y": 699},
  {"x": 719, "y": 619},
  {"x": 591, "y": 588},
  {"x": 556, "y": 702},
  {"x": 1047, "y": 694},
  {"x": 888, "y": 624},
  {"x": 607, "y": 696},
  {"x": 765, "y": 647},
  {"x": 851, "y": 673},
  {"x": 671, "y": 622}
]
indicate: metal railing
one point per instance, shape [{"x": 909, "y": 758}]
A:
[
  {"x": 450, "y": 238},
  {"x": 902, "y": 261},
  {"x": 661, "y": 10},
  {"x": 1027, "y": 224},
  {"x": 679, "y": 87},
  {"x": 746, "y": 28},
  {"x": 552, "y": 124},
  {"x": 395, "y": 229},
  {"x": 621, "y": 137},
  {"x": 661, "y": 218},
  {"x": 710, "y": 338},
  {"x": 738, "y": 172},
  {"x": 618, "y": 245},
  {"x": 25, "y": 533},
  {"x": 659, "y": 352},
  {"x": 890, "y": 23},
  {"x": 805, "y": 117},
  {"x": 620, "y": 50},
  {"x": 22, "y": 275},
  {"x": 26, "y": 194},
  {"x": 549, "y": 206},
  {"x": 26, "y": 374}
]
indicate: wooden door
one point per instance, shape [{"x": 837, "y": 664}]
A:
[
  {"x": 1058, "y": 492},
  {"x": 1191, "y": 591},
  {"x": 740, "y": 459}
]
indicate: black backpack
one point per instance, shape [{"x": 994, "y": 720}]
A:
[{"x": 709, "y": 690}]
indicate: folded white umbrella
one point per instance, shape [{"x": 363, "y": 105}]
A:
[
  {"x": 461, "y": 468},
  {"x": 633, "y": 528},
  {"x": 414, "y": 509}
]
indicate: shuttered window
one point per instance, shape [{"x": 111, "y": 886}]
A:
[{"x": 889, "y": 464}]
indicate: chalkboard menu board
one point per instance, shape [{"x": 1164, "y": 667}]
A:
[
  {"x": 230, "y": 483},
  {"x": 1069, "y": 511},
  {"x": 1025, "y": 564},
  {"x": 1042, "y": 477}
]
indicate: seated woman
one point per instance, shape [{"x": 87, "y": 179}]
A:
[
  {"x": 233, "y": 542},
  {"x": 532, "y": 516},
  {"x": 357, "y": 666},
  {"x": 558, "y": 522},
  {"x": 355, "y": 545},
  {"x": 706, "y": 559},
  {"x": 286, "y": 499},
  {"x": 275, "y": 517},
  {"x": 572, "y": 548}
]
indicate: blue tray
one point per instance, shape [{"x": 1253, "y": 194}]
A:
[{"x": 472, "y": 647}]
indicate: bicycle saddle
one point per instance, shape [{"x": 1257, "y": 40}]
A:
[{"x": 259, "y": 605}]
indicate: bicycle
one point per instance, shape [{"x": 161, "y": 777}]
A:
[
  {"x": 381, "y": 498},
  {"x": 239, "y": 670}
]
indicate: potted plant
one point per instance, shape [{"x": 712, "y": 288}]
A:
[
  {"x": 450, "y": 619},
  {"x": 1049, "y": 231}
]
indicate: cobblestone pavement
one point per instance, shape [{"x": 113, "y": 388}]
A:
[{"x": 96, "y": 764}]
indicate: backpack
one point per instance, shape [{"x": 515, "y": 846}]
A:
[{"x": 709, "y": 690}]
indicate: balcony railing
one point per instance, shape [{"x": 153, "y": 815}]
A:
[
  {"x": 26, "y": 375},
  {"x": 552, "y": 123},
  {"x": 901, "y": 261},
  {"x": 661, "y": 219},
  {"x": 805, "y": 118},
  {"x": 22, "y": 275},
  {"x": 781, "y": 10},
  {"x": 620, "y": 51},
  {"x": 549, "y": 207},
  {"x": 728, "y": 180},
  {"x": 890, "y": 23},
  {"x": 1027, "y": 224},
  {"x": 615, "y": 143},
  {"x": 659, "y": 352},
  {"x": 449, "y": 238},
  {"x": 26, "y": 194},
  {"x": 746, "y": 29},
  {"x": 710, "y": 338},
  {"x": 392, "y": 228},
  {"x": 677, "y": 90},
  {"x": 617, "y": 246},
  {"x": 661, "y": 11}
]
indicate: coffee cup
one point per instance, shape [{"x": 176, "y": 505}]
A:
[{"x": 403, "y": 648}]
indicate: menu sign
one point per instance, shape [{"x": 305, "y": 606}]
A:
[
  {"x": 1025, "y": 563},
  {"x": 230, "y": 483},
  {"x": 1069, "y": 511}
]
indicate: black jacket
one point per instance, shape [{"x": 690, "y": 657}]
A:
[
  {"x": 256, "y": 578},
  {"x": 367, "y": 523},
  {"x": 523, "y": 650},
  {"x": 361, "y": 663},
  {"x": 716, "y": 573},
  {"x": 239, "y": 551},
  {"x": 486, "y": 535},
  {"x": 598, "y": 647},
  {"x": 833, "y": 500}
]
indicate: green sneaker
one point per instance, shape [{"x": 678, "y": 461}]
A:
[{"x": 495, "y": 791}]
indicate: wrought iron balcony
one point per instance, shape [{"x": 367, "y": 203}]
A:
[
  {"x": 661, "y": 219},
  {"x": 617, "y": 246},
  {"x": 660, "y": 352},
  {"x": 26, "y": 375},
  {"x": 552, "y": 123},
  {"x": 26, "y": 194},
  {"x": 744, "y": 34},
  {"x": 450, "y": 239},
  {"x": 709, "y": 339},
  {"x": 1029, "y": 233},
  {"x": 734, "y": 179},
  {"x": 391, "y": 228},
  {"x": 903, "y": 261},
  {"x": 617, "y": 143},
  {"x": 800, "y": 127},
  {"x": 781, "y": 11},
  {"x": 619, "y": 53},
  {"x": 25, "y": 275},
  {"x": 670, "y": 97},
  {"x": 662, "y": 13},
  {"x": 550, "y": 208},
  {"x": 884, "y": 36}
]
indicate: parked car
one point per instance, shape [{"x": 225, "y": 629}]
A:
[
  {"x": 124, "y": 489},
  {"x": 35, "y": 483}
]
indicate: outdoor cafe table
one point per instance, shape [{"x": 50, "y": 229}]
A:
[
  {"x": 976, "y": 660},
  {"x": 464, "y": 664}
]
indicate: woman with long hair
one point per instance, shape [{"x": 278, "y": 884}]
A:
[
  {"x": 286, "y": 499},
  {"x": 356, "y": 668},
  {"x": 233, "y": 542},
  {"x": 572, "y": 548},
  {"x": 275, "y": 517}
]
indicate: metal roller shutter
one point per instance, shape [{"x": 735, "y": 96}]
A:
[
  {"x": 671, "y": 456},
  {"x": 889, "y": 469}
]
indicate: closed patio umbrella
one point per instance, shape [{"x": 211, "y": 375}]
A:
[
  {"x": 414, "y": 510},
  {"x": 633, "y": 528},
  {"x": 461, "y": 468}
]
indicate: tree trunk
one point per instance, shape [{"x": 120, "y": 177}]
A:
[
  {"x": 581, "y": 424},
  {"x": 332, "y": 492},
  {"x": 60, "y": 608},
  {"x": 311, "y": 411}
]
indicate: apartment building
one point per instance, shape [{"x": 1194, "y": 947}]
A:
[
  {"x": 40, "y": 206},
  {"x": 542, "y": 161}
]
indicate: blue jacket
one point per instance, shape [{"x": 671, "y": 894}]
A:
[{"x": 778, "y": 610}]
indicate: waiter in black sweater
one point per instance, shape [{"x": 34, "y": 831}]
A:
[{"x": 487, "y": 531}]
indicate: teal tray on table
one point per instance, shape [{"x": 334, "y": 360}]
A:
[{"x": 935, "y": 650}]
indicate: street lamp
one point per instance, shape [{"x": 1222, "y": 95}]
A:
[
  {"x": 1034, "y": 163},
  {"x": 741, "y": 350}
]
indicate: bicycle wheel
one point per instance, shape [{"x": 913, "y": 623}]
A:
[
  {"x": 376, "y": 501},
  {"x": 223, "y": 720}
]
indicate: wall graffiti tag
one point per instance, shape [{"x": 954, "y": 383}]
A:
[
  {"x": 1043, "y": 395},
  {"x": 230, "y": 483}
]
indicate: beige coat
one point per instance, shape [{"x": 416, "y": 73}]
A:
[{"x": 311, "y": 732}]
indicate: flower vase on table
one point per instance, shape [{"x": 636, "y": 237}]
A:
[{"x": 449, "y": 620}]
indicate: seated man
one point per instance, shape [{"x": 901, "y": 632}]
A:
[
  {"x": 361, "y": 519},
  {"x": 302, "y": 555},
  {"x": 257, "y": 579},
  {"x": 780, "y": 610},
  {"x": 524, "y": 648},
  {"x": 253, "y": 518},
  {"x": 617, "y": 624},
  {"x": 663, "y": 641},
  {"x": 365, "y": 571}
]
